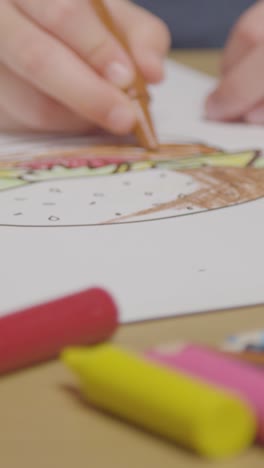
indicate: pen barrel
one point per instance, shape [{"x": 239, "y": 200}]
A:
[
  {"x": 42, "y": 331},
  {"x": 190, "y": 412},
  {"x": 140, "y": 94},
  {"x": 144, "y": 129}
]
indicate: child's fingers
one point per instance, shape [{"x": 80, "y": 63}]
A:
[
  {"x": 240, "y": 90},
  {"x": 8, "y": 123},
  {"x": 256, "y": 115},
  {"x": 76, "y": 24},
  {"x": 58, "y": 72},
  {"x": 149, "y": 56},
  {"x": 236, "y": 47},
  {"x": 247, "y": 34},
  {"x": 132, "y": 18},
  {"x": 148, "y": 37},
  {"x": 29, "y": 109}
]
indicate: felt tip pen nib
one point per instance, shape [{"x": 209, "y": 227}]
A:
[{"x": 144, "y": 129}]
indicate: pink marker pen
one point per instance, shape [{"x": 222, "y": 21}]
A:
[{"x": 216, "y": 368}]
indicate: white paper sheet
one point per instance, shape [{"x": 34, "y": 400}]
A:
[{"x": 167, "y": 264}]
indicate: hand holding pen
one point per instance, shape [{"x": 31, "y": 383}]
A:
[{"x": 61, "y": 69}]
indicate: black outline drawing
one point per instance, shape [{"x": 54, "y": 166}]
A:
[{"x": 126, "y": 166}]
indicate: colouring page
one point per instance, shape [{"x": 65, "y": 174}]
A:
[{"x": 176, "y": 232}]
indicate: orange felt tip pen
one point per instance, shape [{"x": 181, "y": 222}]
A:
[{"x": 144, "y": 129}]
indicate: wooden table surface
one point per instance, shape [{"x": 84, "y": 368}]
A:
[{"x": 45, "y": 425}]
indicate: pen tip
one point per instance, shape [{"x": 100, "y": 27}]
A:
[{"x": 144, "y": 129}]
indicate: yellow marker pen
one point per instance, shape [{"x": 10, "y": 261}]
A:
[{"x": 204, "y": 418}]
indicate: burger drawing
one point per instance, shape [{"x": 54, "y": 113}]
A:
[{"x": 122, "y": 184}]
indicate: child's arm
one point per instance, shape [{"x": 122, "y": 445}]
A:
[
  {"x": 61, "y": 70},
  {"x": 240, "y": 94}
]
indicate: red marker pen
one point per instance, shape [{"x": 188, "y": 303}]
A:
[{"x": 42, "y": 331}]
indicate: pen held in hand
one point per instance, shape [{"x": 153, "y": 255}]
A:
[{"x": 144, "y": 129}]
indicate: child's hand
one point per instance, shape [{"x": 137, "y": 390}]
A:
[
  {"x": 58, "y": 63},
  {"x": 240, "y": 94}
]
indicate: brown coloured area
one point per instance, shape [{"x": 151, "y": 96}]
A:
[{"x": 218, "y": 187}]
